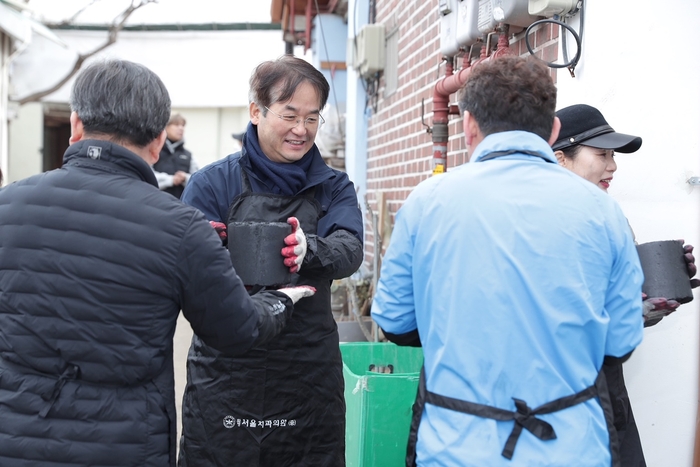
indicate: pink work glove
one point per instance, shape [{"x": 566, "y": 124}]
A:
[
  {"x": 656, "y": 308},
  {"x": 220, "y": 228},
  {"x": 295, "y": 250}
]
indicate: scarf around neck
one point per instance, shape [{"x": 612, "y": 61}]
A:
[
  {"x": 173, "y": 145},
  {"x": 287, "y": 178}
]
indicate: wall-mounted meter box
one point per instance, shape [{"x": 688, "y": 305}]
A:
[
  {"x": 468, "y": 23},
  {"x": 512, "y": 12},
  {"x": 549, "y": 8},
  {"x": 458, "y": 26},
  {"x": 445, "y": 7},
  {"x": 448, "y": 27},
  {"x": 370, "y": 54}
]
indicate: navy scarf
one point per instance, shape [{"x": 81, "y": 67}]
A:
[{"x": 287, "y": 178}]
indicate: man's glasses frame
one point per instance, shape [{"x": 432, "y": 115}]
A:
[{"x": 294, "y": 120}]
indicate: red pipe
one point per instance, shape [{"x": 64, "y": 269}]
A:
[
  {"x": 292, "y": 12},
  {"x": 307, "y": 38},
  {"x": 503, "y": 47},
  {"x": 447, "y": 85}
]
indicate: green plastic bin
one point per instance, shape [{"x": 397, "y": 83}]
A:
[{"x": 378, "y": 404}]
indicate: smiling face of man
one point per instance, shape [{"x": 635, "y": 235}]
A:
[{"x": 287, "y": 141}]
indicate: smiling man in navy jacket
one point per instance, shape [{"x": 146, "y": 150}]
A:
[{"x": 284, "y": 399}]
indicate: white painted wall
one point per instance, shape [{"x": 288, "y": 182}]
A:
[
  {"x": 206, "y": 73},
  {"x": 208, "y": 131},
  {"x": 199, "y": 68},
  {"x": 639, "y": 69},
  {"x": 26, "y": 135}
]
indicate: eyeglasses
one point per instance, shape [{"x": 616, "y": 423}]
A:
[{"x": 293, "y": 120}]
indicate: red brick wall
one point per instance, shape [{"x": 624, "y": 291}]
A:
[{"x": 400, "y": 150}]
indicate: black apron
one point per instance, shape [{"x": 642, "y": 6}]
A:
[
  {"x": 524, "y": 416},
  {"x": 282, "y": 403},
  {"x": 631, "y": 452}
]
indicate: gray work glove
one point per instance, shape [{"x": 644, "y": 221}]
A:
[
  {"x": 298, "y": 292},
  {"x": 274, "y": 310}
]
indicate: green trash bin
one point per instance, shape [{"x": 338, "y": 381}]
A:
[{"x": 381, "y": 380}]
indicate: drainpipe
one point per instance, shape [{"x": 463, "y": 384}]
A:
[
  {"x": 307, "y": 33},
  {"x": 448, "y": 85},
  {"x": 445, "y": 86}
]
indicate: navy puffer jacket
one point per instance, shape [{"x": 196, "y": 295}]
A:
[{"x": 95, "y": 265}]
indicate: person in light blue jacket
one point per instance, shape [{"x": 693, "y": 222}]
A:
[{"x": 519, "y": 279}]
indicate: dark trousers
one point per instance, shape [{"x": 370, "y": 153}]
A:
[{"x": 631, "y": 453}]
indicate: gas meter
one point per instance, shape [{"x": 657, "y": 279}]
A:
[
  {"x": 549, "y": 8},
  {"x": 512, "y": 12},
  {"x": 458, "y": 26}
]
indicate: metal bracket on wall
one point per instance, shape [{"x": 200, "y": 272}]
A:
[
  {"x": 694, "y": 181},
  {"x": 428, "y": 129}
]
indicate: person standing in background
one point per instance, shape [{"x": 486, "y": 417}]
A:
[
  {"x": 238, "y": 138},
  {"x": 284, "y": 400},
  {"x": 176, "y": 164}
]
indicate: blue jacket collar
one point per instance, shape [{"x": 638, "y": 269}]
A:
[{"x": 514, "y": 141}]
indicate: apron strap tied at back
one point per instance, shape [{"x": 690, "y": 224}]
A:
[{"x": 523, "y": 416}]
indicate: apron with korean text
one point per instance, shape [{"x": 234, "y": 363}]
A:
[{"x": 280, "y": 404}]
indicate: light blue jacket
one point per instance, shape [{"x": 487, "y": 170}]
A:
[{"x": 520, "y": 277}]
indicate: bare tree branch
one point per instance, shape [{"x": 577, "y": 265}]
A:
[
  {"x": 75, "y": 16},
  {"x": 116, "y": 26}
]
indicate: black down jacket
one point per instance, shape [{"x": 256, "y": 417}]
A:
[{"x": 95, "y": 265}]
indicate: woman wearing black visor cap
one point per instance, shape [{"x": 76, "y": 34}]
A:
[{"x": 586, "y": 146}]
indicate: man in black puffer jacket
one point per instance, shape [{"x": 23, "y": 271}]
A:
[{"x": 95, "y": 265}]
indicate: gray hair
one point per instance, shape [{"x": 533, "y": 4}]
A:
[{"x": 122, "y": 100}]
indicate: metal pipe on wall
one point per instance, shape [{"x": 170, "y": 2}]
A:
[{"x": 446, "y": 86}]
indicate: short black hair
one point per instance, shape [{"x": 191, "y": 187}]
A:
[{"x": 121, "y": 100}]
